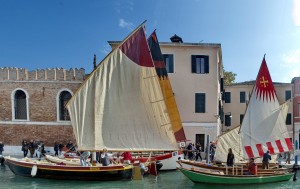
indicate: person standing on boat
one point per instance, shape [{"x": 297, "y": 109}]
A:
[
  {"x": 56, "y": 147},
  {"x": 127, "y": 158},
  {"x": 105, "y": 160},
  {"x": 31, "y": 148},
  {"x": 25, "y": 148},
  {"x": 60, "y": 147},
  {"x": 230, "y": 157},
  {"x": 266, "y": 159},
  {"x": 70, "y": 146}
]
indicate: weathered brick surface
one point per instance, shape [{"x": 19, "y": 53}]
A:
[
  {"x": 14, "y": 134},
  {"x": 42, "y": 97}
]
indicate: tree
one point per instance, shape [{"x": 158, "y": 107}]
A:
[{"x": 229, "y": 77}]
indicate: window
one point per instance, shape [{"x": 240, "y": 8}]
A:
[
  {"x": 288, "y": 120},
  {"x": 227, "y": 97},
  {"x": 228, "y": 120},
  {"x": 242, "y": 97},
  {"x": 288, "y": 95},
  {"x": 169, "y": 61},
  {"x": 200, "y": 64},
  {"x": 20, "y": 105},
  {"x": 299, "y": 88},
  {"x": 64, "y": 97},
  {"x": 241, "y": 118},
  {"x": 200, "y": 102},
  {"x": 201, "y": 139}
]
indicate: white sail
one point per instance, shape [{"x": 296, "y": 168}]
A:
[
  {"x": 120, "y": 106},
  {"x": 230, "y": 139},
  {"x": 263, "y": 126}
]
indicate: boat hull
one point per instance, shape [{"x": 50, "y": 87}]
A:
[
  {"x": 50, "y": 171},
  {"x": 202, "y": 177},
  {"x": 203, "y": 166}
]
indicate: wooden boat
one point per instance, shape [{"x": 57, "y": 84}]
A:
[
  {"x": 237, "y": 168},
  {"x": 218, "y": 177},
  {"x": 119, "y": 107},
  {"x": 263, "y": 128},
  {"x": 167, "y": 160},
  {"x": 40, "y": 169}
]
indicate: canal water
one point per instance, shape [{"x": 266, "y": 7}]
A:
[{"x": 165, "y": 180}]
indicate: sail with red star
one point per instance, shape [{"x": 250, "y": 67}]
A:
[{"x": 263, "y": 127}]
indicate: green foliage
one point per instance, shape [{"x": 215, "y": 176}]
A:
[{"x": 229, "y": 77}]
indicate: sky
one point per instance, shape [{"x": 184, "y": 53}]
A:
[{"x": 37, "y": 34}]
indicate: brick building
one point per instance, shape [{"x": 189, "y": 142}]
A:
[
  {"x": 296, "y": 107},
  {"x": 32, "y": 105}
]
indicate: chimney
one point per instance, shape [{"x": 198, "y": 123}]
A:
[{"x": 176, "y": 39}]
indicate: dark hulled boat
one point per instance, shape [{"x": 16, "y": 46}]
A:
[{"x": 41, "y": 169}]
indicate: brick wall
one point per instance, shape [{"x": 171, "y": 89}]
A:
[{"x": 42, "y": 88}]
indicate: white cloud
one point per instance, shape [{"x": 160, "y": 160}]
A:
[
  {"x": 106, "y": 49},
  {"x": 125, "y": 24},
  {"x": 291, "y": 63},
  {"x": 296, "y": 12},
  {"x": 124, "y": 7}
]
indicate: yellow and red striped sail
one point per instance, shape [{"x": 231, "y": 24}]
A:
[
  {"x": 120, "y": 106},
  {"x": 166, "y": 87},
  {"x": 263, "y": 126}
]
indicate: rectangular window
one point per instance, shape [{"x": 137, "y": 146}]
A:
[
  {"x": 227, "y": 97},
  {"x": 288, "y": 95},
  {"x": 242, "y": 97},
  {"x": 200, "y": 64},
  {"x": 169, "y": 61},
  {"x": 228, "y": 120},
  {"x": 241, "y": 118},
  {"x": 288, "y": 120},
  {"x": 200, "y": 103},
  {"x": 200, "y": 138}
]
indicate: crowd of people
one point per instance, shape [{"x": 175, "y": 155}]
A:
[
  {"x": 37, "y": 148},
  {"x": 193, "y": 152}
]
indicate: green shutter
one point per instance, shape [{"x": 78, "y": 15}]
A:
[
  {"x": 194, "y": 63},
  {"x": 206, "y": 64}
]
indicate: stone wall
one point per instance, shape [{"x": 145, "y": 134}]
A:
[
  {"x": 42, "y": 89},
  {"x": 50, "y": 74}
]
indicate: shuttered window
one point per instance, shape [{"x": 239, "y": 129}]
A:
[
  {"x": 200, "y": 102},
  {"x": 288, "y": 120},
  {"x": 200, "y": 64},
  {"x": 242, "y": 97},
  {"x": 169, "y": 61},
  {"x": 288, "y": 95},
  {"x": 227, "y": 97},
  {"x": 228, "y": 120}
]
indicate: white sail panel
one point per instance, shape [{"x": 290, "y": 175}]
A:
[
  {"x": 230, "y": 139},
  {"x": 121, "y": 107}
]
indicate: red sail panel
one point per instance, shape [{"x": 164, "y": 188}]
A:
[
  {"x": 264, "y": 85},
  {"x": 270, "y": 147},
  {"x": 249, "y": 151},
  {"x": 260, "y": 149}
]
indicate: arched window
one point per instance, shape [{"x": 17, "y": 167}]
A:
[
  {"x": 64, "y": 97},
  {"x": 20, "y": 105}
]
